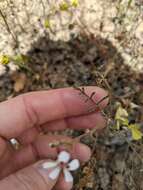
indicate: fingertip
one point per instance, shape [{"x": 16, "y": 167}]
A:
[
  {"x": 90, "y": 121},
  {"x": 100, "y": 120},
  {"x": 82, "y": 152}
]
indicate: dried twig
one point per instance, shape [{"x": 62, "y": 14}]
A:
[
  {"x": 96, "y": 105},
  {"x": 89, "y": 98}
]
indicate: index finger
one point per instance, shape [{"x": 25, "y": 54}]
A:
[{"x": 37, "y": 108}]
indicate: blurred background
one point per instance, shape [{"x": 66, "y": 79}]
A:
[{"x": 48, "y": 44}]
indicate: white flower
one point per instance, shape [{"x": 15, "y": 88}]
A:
[{"x": 62, "y": 164}]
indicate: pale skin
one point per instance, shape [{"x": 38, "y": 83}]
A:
[{"x": 24, "y": 117}]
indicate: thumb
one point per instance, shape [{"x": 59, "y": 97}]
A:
[{"x": 33, "y": 177}]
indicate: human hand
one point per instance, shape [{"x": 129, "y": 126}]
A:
[{"x": 24, "y": 117}]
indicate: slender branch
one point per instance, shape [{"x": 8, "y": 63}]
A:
[{"x": 96, "y": 105}]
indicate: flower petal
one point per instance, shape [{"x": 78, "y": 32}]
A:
[
  {"x": 64, "y": 157},
  {"x": 74, "y": 165},
  {"x": 68, "y": 176},
  {"x": 48, "y": 165},
  {"x": 54, "y": 174}
]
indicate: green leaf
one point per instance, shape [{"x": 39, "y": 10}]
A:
[
  {"x": 74, "y": 3},
  {"x": 136, "y": 133},
  {"x": 20, "y": 58},
  {"x": 64, "y": 6},
  {"x": 47, "y": 23},
  {"x": 4, "y": 59}
]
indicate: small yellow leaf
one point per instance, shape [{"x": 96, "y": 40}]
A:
[
  {"x": 125, "y": 122},
  {"x": 64, "y": 6},
  {"x": 47, "y": 23},
  {"x": 121, "y": 114},
  {"x": 136, "y": 133},
  {"x": 117, "y": 126},
  {"x": 4, "y": 59},
  {"x": 121, "y": 118},
  {"x": 74, "y": 3}
]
